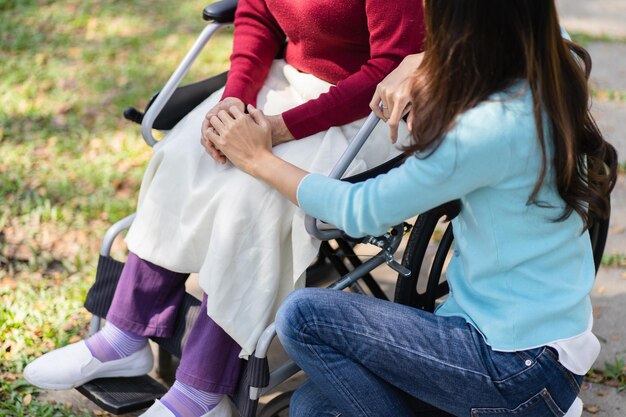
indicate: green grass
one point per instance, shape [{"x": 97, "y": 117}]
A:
[
  {"x": 69, "y": 164},
  {"x": 616, "y": 371},
  {"x": 613, "y": 375},
  {"x": 614, "y": 260},
  {"x": 37, "y": 315},
  {"x": 585, "y": 39},
  {"x": 608, "y": 94}
]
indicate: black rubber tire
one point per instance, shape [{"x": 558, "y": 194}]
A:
[
  {"x": 406, "y": 288},
  {"x": 278, "y": 406},
  {"x": 417, "y": 245}
]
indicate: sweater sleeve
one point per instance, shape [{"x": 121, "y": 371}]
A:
[
  {"x": 456, "y": 168},
  {"x": 396, "y": 30},
  {"x": 256, "y": 42}
]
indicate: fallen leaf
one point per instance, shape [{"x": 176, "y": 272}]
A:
[
  {"x": 615, "y": 337},
  {"x": 588, "y": 386},
  {"x": 591, "y": 409},
  {"x": 601, "y": 290},
  {"x": 597, "y": 312},
  {"x": 603, "y": 393},
  {"x": 27, "y": 399},
  {"x": 595, "y": 378},
  {"x": 75, "y": 338},
  {"x": 8, "y": 282},
  {"x": 617, "y": 230},
  {"x": 612, "y": 383}
]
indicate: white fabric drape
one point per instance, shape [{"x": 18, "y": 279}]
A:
[{"x": 247, "y": 243}]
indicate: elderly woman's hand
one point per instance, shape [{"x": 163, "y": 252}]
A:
[
  {"x": 223, "y": 105},
  {"x": 242, "y": 138},
  {"x": 392, "y": 99}
]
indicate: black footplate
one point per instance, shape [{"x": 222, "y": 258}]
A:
[{"x": 123, "y": 395}]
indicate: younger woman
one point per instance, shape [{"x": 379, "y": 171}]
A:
[{"x": 499, "y": 109}]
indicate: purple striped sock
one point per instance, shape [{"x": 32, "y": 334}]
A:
[
  {"x": 186, "y": 401},
  {"x": 113, "y": 343}
]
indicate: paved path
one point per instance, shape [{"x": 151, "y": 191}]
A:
[{"x": 597, "y": 17}]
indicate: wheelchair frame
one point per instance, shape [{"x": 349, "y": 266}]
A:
[
  {"x": 169, "y": 99},
  {"x": 257, "y": 379}
]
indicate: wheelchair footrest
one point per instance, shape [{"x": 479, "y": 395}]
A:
[{"x": 123, "y": 395}]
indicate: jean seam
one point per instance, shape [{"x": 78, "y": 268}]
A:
[
  {"x": 420, "y": 354},
  {"x": 568, "y": 374},
  {"x": 341, "y": 385},
  {"x": 543, "y": 395},
  {"x": 529, "y": 367}
]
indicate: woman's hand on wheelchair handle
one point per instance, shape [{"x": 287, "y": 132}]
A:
[
  {"x": 392, "y": 98},
  {"x": 225, "y": 105}
]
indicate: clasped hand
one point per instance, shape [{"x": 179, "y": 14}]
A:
[{"x": 239, "y": 137}]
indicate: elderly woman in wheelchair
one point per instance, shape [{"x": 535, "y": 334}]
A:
[
  {"x": 499, "y": 110},
  {"x": 197, "y": 213}
]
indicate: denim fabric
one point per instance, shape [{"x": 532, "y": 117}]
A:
[
  {"x": 146, "y": 302},
  {"x": 367, "y": 358}
]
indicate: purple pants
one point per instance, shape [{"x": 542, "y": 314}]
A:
[{"x": 146, "y": 302}]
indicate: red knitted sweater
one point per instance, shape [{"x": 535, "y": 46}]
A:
[{"x": 353, "y": 44}]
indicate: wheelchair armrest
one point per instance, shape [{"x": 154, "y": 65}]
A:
[
  {"x": 222, "y": 11},
  {"x": 182, "y": 101}
]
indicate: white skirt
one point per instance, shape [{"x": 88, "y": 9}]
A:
[{"x": 247, "y": 243}]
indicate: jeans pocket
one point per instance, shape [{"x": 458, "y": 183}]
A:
[
  {"x": 573, "y": 379},
  {"x": 539, "y": 405},
  {"x": 506, "y": 366}
]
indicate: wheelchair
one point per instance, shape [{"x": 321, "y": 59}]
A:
[{"x": 420, "y": 281}]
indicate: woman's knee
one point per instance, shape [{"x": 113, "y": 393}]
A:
[
  {"x": 304, "y": 307},
  {"x": 299, "y": 312},
  {"x": 292, "y": 314}
]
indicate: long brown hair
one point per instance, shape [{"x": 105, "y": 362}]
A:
[{"x": 475, "y": 48}]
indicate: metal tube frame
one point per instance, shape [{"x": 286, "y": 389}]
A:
[
  {"x": 340, "y": 168},
  {"x": 290, "y": 368},
  {"x": 146, "y": 131},
  {"x": 389, "y": 244},
  {"x": 105, "y": 250},
  {"x": 174, "y": 81}
]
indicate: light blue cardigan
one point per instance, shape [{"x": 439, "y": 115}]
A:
[{"x": 522, "y": 279}]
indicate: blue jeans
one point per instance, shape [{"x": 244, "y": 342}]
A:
[{"x": 371, "y": 358}]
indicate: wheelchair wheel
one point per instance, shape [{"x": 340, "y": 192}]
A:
[
  {"x": 278, "y": 406},
  {"x": 407, "y": 287}
]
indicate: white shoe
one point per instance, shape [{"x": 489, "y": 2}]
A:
[
  {"x": 222, "y": 409},
  {"x": 74, "y": 365}
]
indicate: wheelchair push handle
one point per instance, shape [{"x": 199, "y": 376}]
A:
[
  {"x": 219, "y": 14},
  {"x": 221, "y": 11},
  {"x": 340, "y": 168}
]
